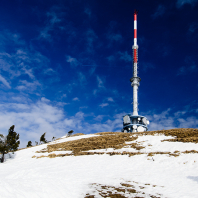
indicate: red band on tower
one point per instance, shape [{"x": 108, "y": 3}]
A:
[
  {"x": 135, "y": 33},
  {"x": 135, "y": 17}
]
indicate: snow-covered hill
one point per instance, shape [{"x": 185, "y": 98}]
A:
[{"x": 105, "y": 165}]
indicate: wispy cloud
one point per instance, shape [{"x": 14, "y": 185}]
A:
[
  {"x": 100, "y": 82},
  {"x": 111, "y": 58},
  {"x": 28, "y": 86},
  {"x": 193, "y": 27},
  {"x": 33, "y": 119},
  {"x": 45, "y": 100},
  {"x": 54, "y": 17},
  {"x": 87, "y": 11},
  {"x": 125, "y": 56},
  {"x": 169, "y": 119},
  {"x": 180, "y": 3},
  {"x": 110, "y": 99},
  {"x": 146, "y": 66},
  {"x": 190, "y": 68},
  {"x": 114, "y": 37},
  {"x": 113, "y": 34},
  {"x": 160, "y": 11},
  {"x": 185, "y": 70},
  {"x": 5, "y": 82},
  {"x": 49, "y": 71},
  {"x": 76, "y": 99},
  {"x": 82, "y": 78},
  {"x": 90, "y": 37},
  {"x": 73, "y": 61},
  {"x": 22, "y": 61},
  {"x": 104, "y": 105}
]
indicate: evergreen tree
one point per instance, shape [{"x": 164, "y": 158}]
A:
[
  {"x": 12, "y": 139},
  {"x": 29, "y": 144},
  {"x": 42, "y": 138},
  {"x": 53, "y": 138},
  {"x": 70, "y": 132},
  {"x": 3, "y": 147},
  {"x": 9, "y": 143}
]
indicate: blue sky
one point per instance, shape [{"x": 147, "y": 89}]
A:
[{"x": 66, "y": 65}]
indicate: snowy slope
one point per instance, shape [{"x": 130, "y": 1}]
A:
[{"x": 160, "y": 175}]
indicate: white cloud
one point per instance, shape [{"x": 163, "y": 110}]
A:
[
  {"x": 88, "y": 11},
  {"x": 49, "y": 71},
  {"x": 82, "y": 78},
  {"x": 33, "y": 119},
  {"x": 73, "y": 61},
  {"x": 28, "y": 86},
  {"x": 104, "y": 105},
  {"x": 193, "y": 27},
  {"x": 169, "y": 120},
  {"x": 111, "y": 58},
  {"x": 54, "y": 17},
  {"x": 90, "y": 37},
  {"x": 92, "y": 70},
  {"x": 110, "y": 99},
  {"x": 180, "y": 3},
  {"x": 45, "y": 100},
  {"x": 63, "y": 96},
  {"x": 5, "y": 82},
  {"x": 114, "y": 37},
  {"x": 100, "y": 82},
  {"x": 146, "y": 66},
  {"x": 190, "y": 68},
  {"x": 159, "y": 12},
  {"x": 125, "y": 56},
  {"x": 185, "y": 70},
  {"x": 22, "y": 61},
  {"x": 76, "y": 99},
  {"x": 29, "y": 72},
  {"x": 99, "y": 118}
]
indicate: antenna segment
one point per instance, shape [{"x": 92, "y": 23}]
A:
[
  {"x": 135, "y": 122},
  {"x": 135, "y": 80}
]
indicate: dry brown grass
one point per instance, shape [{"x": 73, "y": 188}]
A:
[
  {"x": 108, "y": 133},
  {"x": 115, "y": 141},
  {"x": 77, "y": 134},
  {"x": 158, "y": 153},
  {"x": 123, "y": 191},
  {"x": 136, "y": 146},
  {"x": 53, "y": 155},
  {"x": 191, "y": 151},
  {"x": 181, "y": 134}
]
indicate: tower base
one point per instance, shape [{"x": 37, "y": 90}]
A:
[{"x": 134, "y": 123}]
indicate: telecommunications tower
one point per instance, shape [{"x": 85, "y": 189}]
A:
[{"x": 134, "y": 122}]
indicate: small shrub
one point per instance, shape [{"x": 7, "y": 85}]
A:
[{"x": 29, "y": 144}]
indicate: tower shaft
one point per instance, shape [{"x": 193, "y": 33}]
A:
[
  {"x": 135, "y": 80},
  {"x": 134, "y": 122}
]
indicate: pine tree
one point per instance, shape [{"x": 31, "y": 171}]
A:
[
  {"x": 12, "y": 139},
  {"x": 3, "y": 147},
  {"x": 9, "y": 143},
  {"x": 42, "y": 138},
  {"x": 29, "y": 143},
  {"x": 70, "y": 132}
]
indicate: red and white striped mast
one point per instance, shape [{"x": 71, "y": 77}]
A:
[
  {"x": 134, "y": 122},
  {"x": 135, "y": 80}
]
